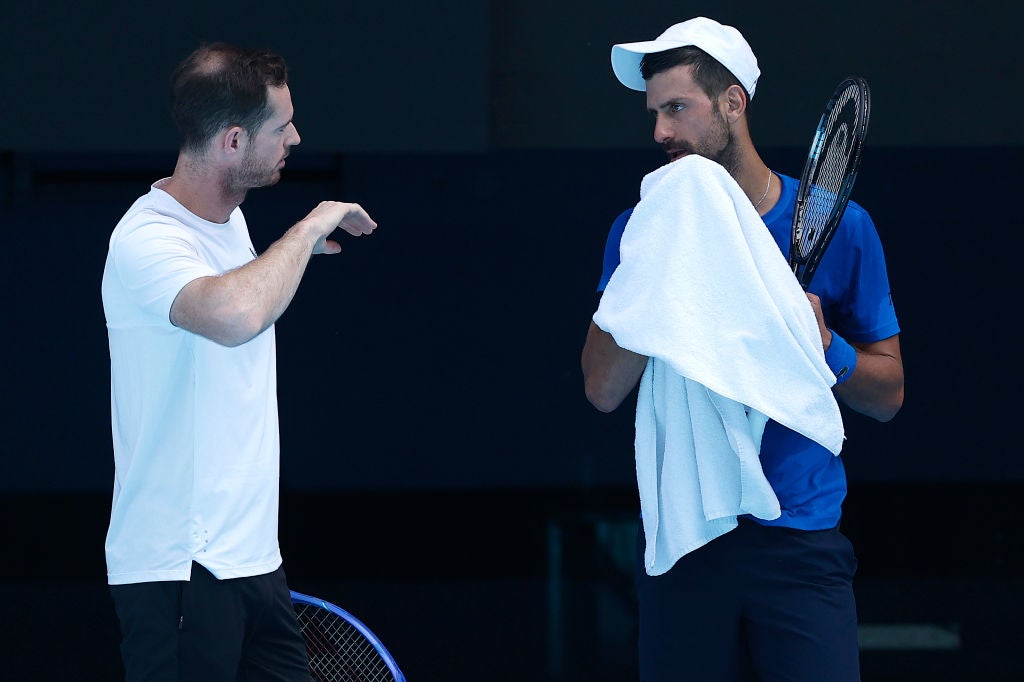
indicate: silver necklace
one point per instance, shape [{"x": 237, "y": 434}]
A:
[{"x": 766, "y": 188}]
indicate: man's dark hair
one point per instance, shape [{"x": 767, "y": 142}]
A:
[
  {"x": 219, "y": 86},
  {"x": 708, "y": 72}
]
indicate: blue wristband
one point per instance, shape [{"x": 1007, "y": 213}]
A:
[{"x": 841, "y": 358}]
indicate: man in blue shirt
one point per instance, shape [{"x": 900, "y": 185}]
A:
[{"x": 771, "y": 598}]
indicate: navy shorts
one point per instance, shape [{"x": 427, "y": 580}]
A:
[
  {"x": 209, "y": 630},
  {"x": 758, "y": 603}
]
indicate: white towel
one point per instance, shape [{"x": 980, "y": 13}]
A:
[{"x": 703, "y": 290}]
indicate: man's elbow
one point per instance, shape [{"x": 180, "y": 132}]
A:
[
  {"x": 601, "y": 397},
  {"x": 241, "y": 330},
  {"x": 891, "y": 407},
  {"x": 223, "y": 317},
  {"x": 230, "y": 331},
  {"x": 881, "y": 406}
]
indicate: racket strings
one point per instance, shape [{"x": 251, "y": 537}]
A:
[
  {"x": 337, "y": 651},
  {"x": 830, "y": 171}
]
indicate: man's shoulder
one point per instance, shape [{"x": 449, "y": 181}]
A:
[
  {"x": 623, "y": 218},
  {"x": 152, "y": 214},
  {"x": 855, "y": 218},
  {"x": 857, "y": 224},
  {"x": 856, "y": 212}
]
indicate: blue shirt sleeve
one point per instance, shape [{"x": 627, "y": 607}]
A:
[
  {"x": 853, "y": 282},
  {"x": 611, "y": 248}
]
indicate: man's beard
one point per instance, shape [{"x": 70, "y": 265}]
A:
[
  {"x": 719, "y": 146},
  {"x": 728, "y": 156},
  {"x": 250, "y": 174}
]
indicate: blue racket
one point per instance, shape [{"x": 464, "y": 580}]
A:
[{"x": 340, "y": 647}]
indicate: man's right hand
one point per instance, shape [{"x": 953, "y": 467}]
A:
[{"x": 332, "y": 215}]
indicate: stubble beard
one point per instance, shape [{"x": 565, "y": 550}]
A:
[
  {"x": 727, "y": 154},
  {"x": 718, "y": 145},
  {"x": 250, "y": 174}
]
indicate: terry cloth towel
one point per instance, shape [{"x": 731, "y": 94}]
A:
[{"x": 703, "y": 291}]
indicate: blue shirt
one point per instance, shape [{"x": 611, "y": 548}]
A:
[{"x": 853, "y": 285}]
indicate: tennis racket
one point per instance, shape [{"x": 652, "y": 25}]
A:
[
  {"x": 828, "y": 176},
  {"x": 340, "y": 647}
]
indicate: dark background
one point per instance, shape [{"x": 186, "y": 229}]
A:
[{"x": 443, "y": 476}]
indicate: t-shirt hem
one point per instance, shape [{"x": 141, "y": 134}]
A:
[
  {"x": 797, "y": 522},
  {"x": 185, "y": 573},
  {"x": 228, "y": 572},
  {"x": 149, "y": 576}
]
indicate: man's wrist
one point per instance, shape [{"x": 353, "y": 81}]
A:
[
  {"x": 307, "y": 231},
  {"x": 841, "y": 358}
]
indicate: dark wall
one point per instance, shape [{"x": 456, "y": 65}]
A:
[
  {"x": 94, "y": 76},
  {"x": 456, "y": 76},
  {"x": 494, "y": 147}
]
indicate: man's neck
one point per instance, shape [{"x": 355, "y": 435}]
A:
[
  {"x": 202, "y": 190},
  {"x": 755, "y": 179}
]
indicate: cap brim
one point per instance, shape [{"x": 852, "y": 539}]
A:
[{"x": 626, "y": 59}]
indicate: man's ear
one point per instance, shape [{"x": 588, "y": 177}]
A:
[
  {"x": 734, "y": 102},
  {"x": 230, "y": 141}
]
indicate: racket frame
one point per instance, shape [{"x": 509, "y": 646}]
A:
[
  {"x": 804, "y": 268},
  {"x": 374, "y": 641}
]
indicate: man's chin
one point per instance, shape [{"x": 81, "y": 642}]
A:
[{"x": 269, "y": 182}]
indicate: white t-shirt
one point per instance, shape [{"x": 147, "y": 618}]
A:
[{"x": 195, "y": 431}]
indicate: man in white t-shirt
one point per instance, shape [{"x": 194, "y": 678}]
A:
[{"x": 192, "y": 554}]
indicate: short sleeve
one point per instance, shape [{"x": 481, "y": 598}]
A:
[
  {"x": 154, "y": 262},
  {"x": 855, "y": 282},
  {"x": 611, "y": 248}
]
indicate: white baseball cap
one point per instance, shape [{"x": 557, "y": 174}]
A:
[{"x": 724, "y": 43}]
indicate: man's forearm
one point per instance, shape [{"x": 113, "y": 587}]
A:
[
  {"x": 235, "y": 307},
  {"x": 875, "y": 388},
  {"x": 609, "y": 372}
]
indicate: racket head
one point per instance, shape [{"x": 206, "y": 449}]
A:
[
  {"x": 341, "y": 648},
  {"x": 829, "y": 173}
]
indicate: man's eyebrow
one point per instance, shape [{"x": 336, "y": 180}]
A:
[{"x": 668, "y": 102}]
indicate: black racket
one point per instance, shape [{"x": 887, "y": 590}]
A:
[
  {"x": 828, "y": 176},
  {"x": 340, "y": 647}
]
